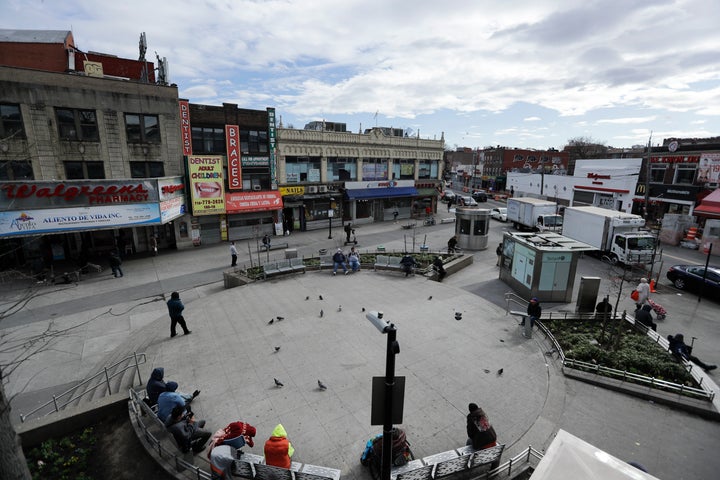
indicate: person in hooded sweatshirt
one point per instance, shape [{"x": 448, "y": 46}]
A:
[
  {"x": 278, "y": 448},
  {"x": 170, "y": 399},
  {"x": 156, "y": 385},
  {"x": 644, "y": 317}
]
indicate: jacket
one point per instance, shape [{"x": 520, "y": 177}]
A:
[
  {"x": 534, "y": 310},
  {"x": 166, "y": 402},
  {"x": 644, "y": 316},
  {"x": 155, "y": 385},
  {"x": 408, "y": 261},
  {"x": 479, "y": 430},
  {"x": 175, "y": 307},
  {"x": 339, "y": 257},
  {"x": 183, "y": 432},
  {"x": 278, "y": 448}
]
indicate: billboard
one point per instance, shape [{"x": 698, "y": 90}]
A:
[
  {"x": 708, "y": 168},
  {"x": 207, "y": 189}
]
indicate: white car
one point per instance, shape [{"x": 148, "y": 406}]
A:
[
  {"x": 499, "y": 214},
  {"x": 467, "y": 202}
]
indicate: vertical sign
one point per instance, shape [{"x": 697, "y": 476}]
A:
[
  {"x": 271, "y": 139},
  {"x": 206, "y": 184},
  {"x": 185, "y": 131},
  {"x": 232, "y": 140}
]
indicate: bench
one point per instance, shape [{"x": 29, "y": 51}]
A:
[
  {"x": 283, "y": 266},
  {"x": 447, "y": 220},
  {"x": 408, "y": 226},
  {"x": 448, "y": 463},
  {"x": 385, "y": 262},
  {"x": 326, "y": 261},
  {"x": 252, "y": 466},
  {"x": 273, "y": 246}
]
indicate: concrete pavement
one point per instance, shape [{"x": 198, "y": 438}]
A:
[{"x": 230, "y": 355}]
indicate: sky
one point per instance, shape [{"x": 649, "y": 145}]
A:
[{"x": 520, "y": 73}]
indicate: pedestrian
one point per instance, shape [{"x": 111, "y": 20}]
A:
[
  {"x": 154, "y": 245},
  {"x": 171, "y": 398},
  {"x": 480, "y": 432},
  {"x": 175, "y": 309},
  {"x": 266, "y": 241},
  {"x": 395, "y": 214},
  {"x": 348, "y": 231},
  {"x": 189, "y": 434},
  {"x": 156, "y": 385},
  {"x": 534, "y": 311},
  {"x": 339, "y": 259},
  {"x": 681, "y": 351},
  {"x": 452, "y": 243},
  {"x": 512, "y": 191},
  {"x": 603, "y": 310},
  {"x": 499, "y": 252},
  {"x": 408, "y": 263},
  {"x": 643, "y": 290},
  {"x": 439, "y": 268},
  {"x": 644, "y": 317},
  {"x": 278, "y": 449},
  {"x": 115, "y": 261},
  {"x": 354, "y": 259},
  {"x": 233, "y": 254}
]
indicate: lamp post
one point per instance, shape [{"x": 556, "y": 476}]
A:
[
  {"x": 331, "y": 213},
  {"x": 393, "y": 348}
]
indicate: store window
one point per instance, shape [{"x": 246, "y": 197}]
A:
[
  {"x": 77, "y": 125},
  {"x": 142, "y": 128},
  {"x": 657, "y": 173},
  {"x": 341, "y": 169},
  {"x": 11, "y": 124},
  {"x": 13, "y": 170},
  {"x": 375, "y": 169},
  {"x": 208, "y": 140},
  {"x": 147, "y": 169},
  {"x": 404, "y": 170},
  {"x": 302, "y": 169},
  {"x": 428, "y": 169},
  {"x": 84, "y": 170},
  {"x": 685, "y": 173},
  {"x": 254, "y": 141}
]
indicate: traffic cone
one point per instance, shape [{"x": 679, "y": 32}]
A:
[{"x": 652, "y": 286}]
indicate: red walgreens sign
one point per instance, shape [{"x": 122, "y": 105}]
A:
[{"x": 232, "y": 140}]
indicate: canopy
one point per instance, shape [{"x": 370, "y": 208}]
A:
[
  {"x": 570, "y": 458},
  {"x": 710, "y": 205},
  {"x": 362, "y": 193}
]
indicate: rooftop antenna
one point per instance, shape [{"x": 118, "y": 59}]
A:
[
  {"x": 143, "y": 48},
  {"x": 162, "y": 69}
]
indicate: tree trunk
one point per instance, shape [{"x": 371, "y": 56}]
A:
[{"x": 12, "y": 459}]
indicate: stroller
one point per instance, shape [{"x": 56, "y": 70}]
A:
[
  {"x": 372, "y": 455},
  {"x": 659, "y": 310}
]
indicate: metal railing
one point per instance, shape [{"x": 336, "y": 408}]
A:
[
  {"x": 104, "y": 377},
  {"x": 529, "y": 456}
]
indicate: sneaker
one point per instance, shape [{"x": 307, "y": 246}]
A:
[
  {"x": 710, "y": 367},
  {"x": 172, "y": 335},
  {"x": 201, "y": 424},
  {"x": 195, "y": 393},
  {"x": 188, "y": 332},
  {"x": 334, "y": 273},
  {"x": 346, "y": 272}
]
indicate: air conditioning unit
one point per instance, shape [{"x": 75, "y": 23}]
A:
[
  {"x": 312, "y": 189},
  {"x": 322, "y": 189},
  {"x": 257, "y": 187}
]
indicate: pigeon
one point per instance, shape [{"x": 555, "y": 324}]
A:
[
  {"x": 486, "y": 370},
  {"x": 320, "y": 297},
  {"x": 280, "y": 319},
  {"x": 363, "y": 309},
  {"x": 321, "y": 313},
  {"x": 500, "y": 372},
  {"x": 321, "y": 385},
  {"x": 278, "y": 383},
  {"x": 277, "y": 349},
  {"x": 430, "y": 297},
  {"x": 307, "y": 298},
  {"x": 339, "y": 308},
  {"x": 271, "y": 321},
  {"x": 502, "y": 340}
]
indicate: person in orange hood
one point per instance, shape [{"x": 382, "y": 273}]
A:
[{"x": 278, "y": 448}]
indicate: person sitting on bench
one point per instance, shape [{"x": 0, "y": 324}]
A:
[
  {"x": 266, "y": 241},
  {"x": 408, "y": 263}
]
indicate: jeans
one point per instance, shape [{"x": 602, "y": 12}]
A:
[
  {"x": 335, "y": 266},
  {"x": 354, "y": 264}
]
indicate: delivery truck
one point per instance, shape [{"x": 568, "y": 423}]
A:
[
  {"x": 618, "y": 235},
  {"x": 534, "y": 214}
]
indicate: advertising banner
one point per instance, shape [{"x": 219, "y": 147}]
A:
[
  {"x": 232, "y": 140},
  {"x": 253, "y": 201},
  {"x": 58, "y": 220},
  {"x": 75, "y": 193},
  {"x": 207, "y": 188},
  {"x": 172, "y": 209},
  {"x": 709, "y": 168},
  {"x": 185, "y": 130}
]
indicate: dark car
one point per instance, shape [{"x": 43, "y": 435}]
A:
[
  {"x": 691, "y": 277},
  {"x": 480, "y": 195}
]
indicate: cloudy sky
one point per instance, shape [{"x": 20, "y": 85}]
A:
[{"x": 520, "y": 73}]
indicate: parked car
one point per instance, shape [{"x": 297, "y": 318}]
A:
[
  {"x": 480, "y": 195},
  {"x": 499, "y": 214},
  {"x": 466, "y": 202},
  {"x": 691, "y": 277}
]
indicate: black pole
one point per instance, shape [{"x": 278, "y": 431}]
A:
[
  {"x": 707, "y": 262},
  {"x": 392, "y": 349},
  {"x": 329, "y": 228}
]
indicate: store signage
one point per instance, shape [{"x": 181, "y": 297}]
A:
[
  {"x": 252, "y": 161},
  {"x": 29, "y": 195},
  {"x": 241, "y": 202},
  {"x": 232, "y": 140},
  {"x": 675, "y": 159},
  {"x": 185, "y": 130},
  {"x": 292, "y": 191},
  {"x": 207, "y": 188}
]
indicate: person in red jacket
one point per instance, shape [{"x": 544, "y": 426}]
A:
[{"x": 278, "y": 448}]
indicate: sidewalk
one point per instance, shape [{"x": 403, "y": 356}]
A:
[{"x": 230, "y": 355}]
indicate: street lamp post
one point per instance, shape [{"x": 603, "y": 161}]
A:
[
  {"x": 331, "y": 213},
  {"x": 393, "y": 348}
]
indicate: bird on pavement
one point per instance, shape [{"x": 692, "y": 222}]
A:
[
  {"x": 277, "y": 349},
  {"x": 307, "y": 298},
  {"x": 430, "y": 297},
  {"x": 320, "y": 297},
  {"x": 278, "y": 383},
  {"x": 500, "y": 372},
  {"x": 321, "y": 313},
  {"x": 280, "y": 319},
  {"x": 271, "y": 321},
  {"x": 339, "y": 308},
  {"x": 486, "y": 370},
  {"x": 363, "y": 309},
  {"x": 321, "y": 385}
]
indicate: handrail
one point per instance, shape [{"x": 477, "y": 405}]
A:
[
  {"x": 137, "y": 360},
  {"x": 515, "y": 298}
]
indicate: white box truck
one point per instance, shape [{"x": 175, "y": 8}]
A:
[
  {"x": 618, "y": 235},
  {"x": 534, "y": 214}
]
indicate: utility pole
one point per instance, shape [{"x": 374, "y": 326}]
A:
[{"x": 647, "y": 181}]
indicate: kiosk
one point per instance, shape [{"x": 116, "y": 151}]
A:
[{"x": 471, "y": 228}]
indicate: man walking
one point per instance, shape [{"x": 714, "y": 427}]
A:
[
  {"x": 175, "y": 309},
  {"x": 233, "y": 254}
]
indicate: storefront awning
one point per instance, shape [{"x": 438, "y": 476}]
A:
[
  {"x": 367, "y": 193},
  {"x": 710, "y": 205}
]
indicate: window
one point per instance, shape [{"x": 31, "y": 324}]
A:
[
  {"x": 302, "y": 169},
  {"x": 428, "y": 169},
  {"x": 375, "y": 169},
  {"x": 11, "y": 122},
  {"x": 404, "y": 170},
  {"x": 142, "y": 128},
  {"x": 685, "y": 173},
  {"x": 341, "y": 169},
  {"x": 77, "y": 125},
  {"x": 84, "y": 170},
  {"x": 657, "y": 173},
  {"x": 13, "y": 170},
  {"x": 147, "y": 169},
  {"x": 254, "y": 141},
  {"x": 208, "y": 140}
]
